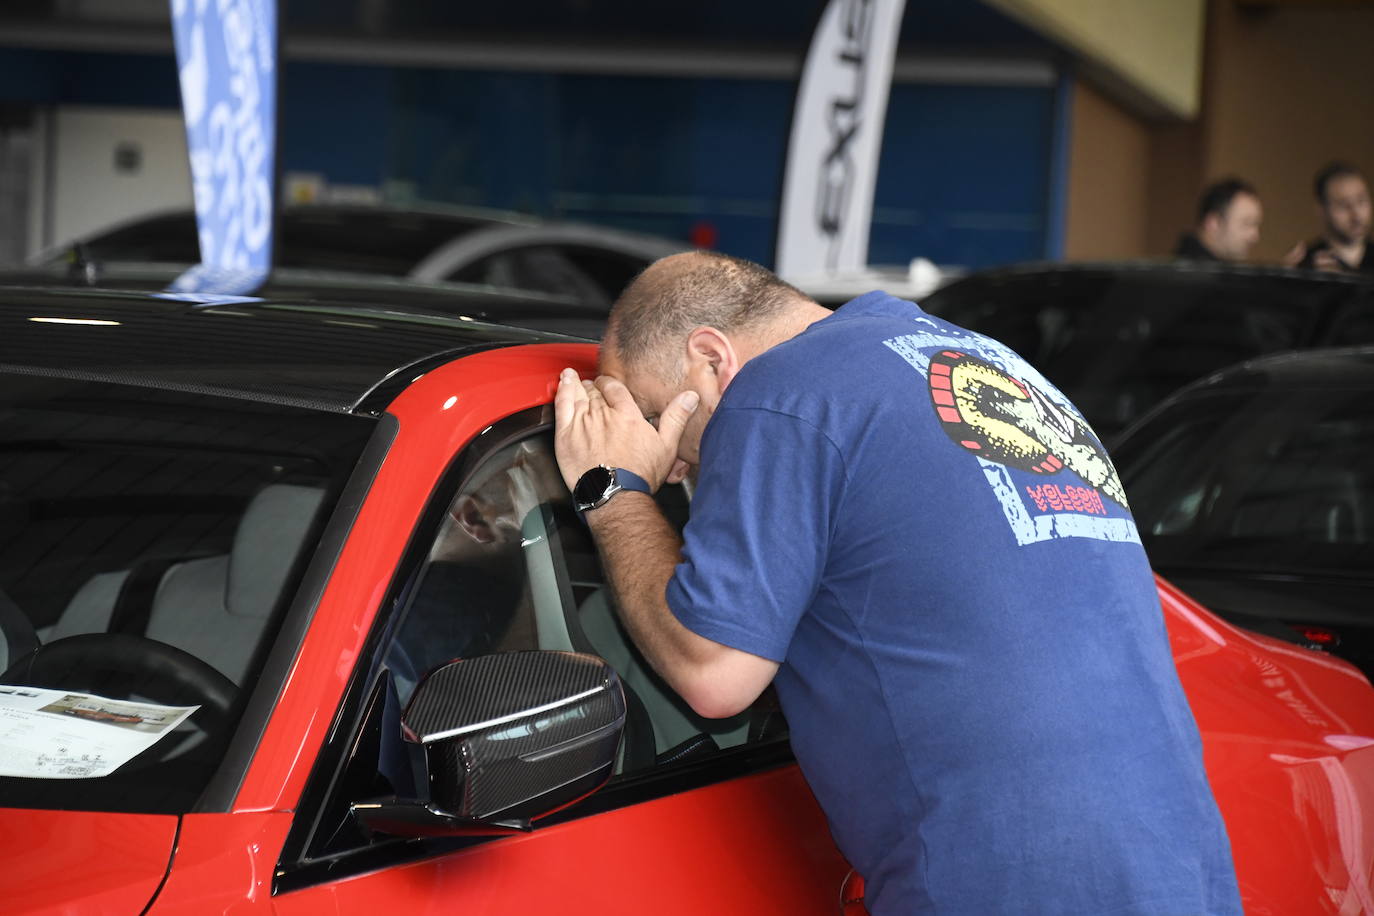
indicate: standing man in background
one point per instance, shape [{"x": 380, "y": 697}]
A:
[
  {"x": 898, "y": 521},
  {"x": 1343, "y": 201},
  {"x": 1228, "y": 223}
]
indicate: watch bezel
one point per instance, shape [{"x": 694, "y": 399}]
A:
[{"x": 595, "y": 486}]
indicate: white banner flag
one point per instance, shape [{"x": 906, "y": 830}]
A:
[{"x": 837, "y": 132}]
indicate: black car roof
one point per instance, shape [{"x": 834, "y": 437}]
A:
[
  {"x": 324, "y": 356},
  {"x": 1158, "y": 270},
  {"x": 1343, "y": 367}
]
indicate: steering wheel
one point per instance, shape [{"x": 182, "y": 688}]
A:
[
  {"x": 17, "y": 636},
  {"x": 122, "y": 665}
]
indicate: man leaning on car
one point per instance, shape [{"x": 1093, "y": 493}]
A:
[{"x": 920, "y": 541}]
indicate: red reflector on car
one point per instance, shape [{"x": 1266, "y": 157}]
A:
[{"x": 1318, "y": 635}]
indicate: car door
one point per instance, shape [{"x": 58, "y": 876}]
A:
[{"x": 701, "y": 815}]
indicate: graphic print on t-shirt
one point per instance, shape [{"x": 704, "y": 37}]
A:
[
  {"x": 1042, "y": 462},
  {"x": 1006, "y": 420}
]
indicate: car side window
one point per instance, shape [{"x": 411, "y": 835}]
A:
[
  {"x": 1353, "y": 324},
  {"x": 538, "y": 268},
  {"x": 500, "y": 562},
  {"x": 512, "y": 567},
  {"x": 612, "y": 271}
]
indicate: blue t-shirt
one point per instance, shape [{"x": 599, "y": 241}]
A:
[{"x": 974, "y": 666}]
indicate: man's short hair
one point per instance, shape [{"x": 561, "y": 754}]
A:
[
  {"x": 665, "y": 303},
  {"x": 1217, "y": 197},
  {"x": 1329, "y": 173}
]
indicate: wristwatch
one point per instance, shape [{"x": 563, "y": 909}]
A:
[{"x": 596, "y": 486}]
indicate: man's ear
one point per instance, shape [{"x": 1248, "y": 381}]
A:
[
  {"x": 711, "y": 352},
  {"x": 471, "y": 516}
]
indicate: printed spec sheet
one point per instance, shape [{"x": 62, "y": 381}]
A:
[{"x": 56, "y": 734}]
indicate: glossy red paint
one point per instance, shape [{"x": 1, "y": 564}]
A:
[
  {"x": 224, "y": 864},
  {"x": 439, "y": 413},
  {"x": 1288, "y": 738},
  {"x": 753, "y": 845},
  {"x": 1269, "y": 745},
  {"x": 82, "y": 862}
]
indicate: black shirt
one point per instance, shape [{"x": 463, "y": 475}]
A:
[
  {"x": 1366, "y": 265},
  {"x": 1190, "y": 248}
]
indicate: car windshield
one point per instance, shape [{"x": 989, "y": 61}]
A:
[
  {"x": 1117, "y": 342},
  {"x": 150, "y": 542},
  {"x": 1276, "y": 481}
]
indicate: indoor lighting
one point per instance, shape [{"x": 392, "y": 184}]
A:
[{"x": 101, "y": 322}]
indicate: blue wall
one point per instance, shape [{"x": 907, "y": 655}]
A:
[{"x": 964, "y": 179}]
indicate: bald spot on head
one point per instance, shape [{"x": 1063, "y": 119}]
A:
[{"x": 681, "y": 292}]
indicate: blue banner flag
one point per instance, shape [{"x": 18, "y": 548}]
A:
[{"x": 227, "y": 58}]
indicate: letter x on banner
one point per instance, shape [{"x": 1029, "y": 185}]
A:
[
  {"x": 226, "y": 55},
  {"x": 837, "y": 132}
]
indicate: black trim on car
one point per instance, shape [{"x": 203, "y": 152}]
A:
[
  {"x": 630, "y": 790},
  {"x": 228, "y": 779},
  {"x": 374, "y": 400}
]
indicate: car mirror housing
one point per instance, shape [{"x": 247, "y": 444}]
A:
[{"x": 506, "y": 738}]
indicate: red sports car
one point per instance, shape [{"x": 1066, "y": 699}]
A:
[{"x": 339, "y": 532}]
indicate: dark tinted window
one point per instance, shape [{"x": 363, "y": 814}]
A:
[
  {"x": 1354, "y": 322},
  {"x": 131, "y": 515},
  {"x": 164, "y": 238},
  {"x": 512, "y": 567},
  {"x": 508, "y": 566},
  {"x": 1118, "y": 342},
  {"x": 537, "y": 268},
  {"x": 1273, "y": 482},
  {"x": 382, "y": 242},
  {"x": 610, "y": 270},
  {"x": 388, "y": 242}
]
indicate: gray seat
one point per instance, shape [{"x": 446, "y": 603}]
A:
[
  {"x": 214, "y": 607},
  {"x": 674, "y": 721}
]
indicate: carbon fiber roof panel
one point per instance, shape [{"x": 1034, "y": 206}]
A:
[{"x": 314, "y": 355}]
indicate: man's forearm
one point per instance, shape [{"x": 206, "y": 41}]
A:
[{"x": 639, "y": 550}]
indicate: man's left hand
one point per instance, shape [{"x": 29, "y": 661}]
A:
[{"x": 599, "y": 423}]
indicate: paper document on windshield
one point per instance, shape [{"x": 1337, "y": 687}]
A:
[{"x": 56, "y": 734}]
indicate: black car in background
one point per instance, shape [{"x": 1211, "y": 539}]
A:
[
  {"x": 1119, "y": 337},
  {"x": 1254, "y": 492}
]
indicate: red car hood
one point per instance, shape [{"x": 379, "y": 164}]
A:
[{"x": 81, "y": 861}]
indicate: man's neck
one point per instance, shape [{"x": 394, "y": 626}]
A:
[{"x": 789, "y": 325}]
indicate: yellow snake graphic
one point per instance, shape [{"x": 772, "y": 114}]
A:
[{"x": 1007, "y": 421}]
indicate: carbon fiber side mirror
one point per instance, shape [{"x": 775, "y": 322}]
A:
[{"x": 507, "y": 738}]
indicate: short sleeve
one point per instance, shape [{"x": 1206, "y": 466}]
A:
[{"x": 756, "y": 544}]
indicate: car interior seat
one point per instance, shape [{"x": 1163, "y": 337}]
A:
[
  {"x": 550, "y": 547},
  {"x": 675, "y": 724},
  {"x": 213, "y": 607},
  {"x": 678, "y": 731},
  {"x": 17, "y": 636}
]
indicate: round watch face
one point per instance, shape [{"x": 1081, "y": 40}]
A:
[{"x": 592, "y": 486}]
